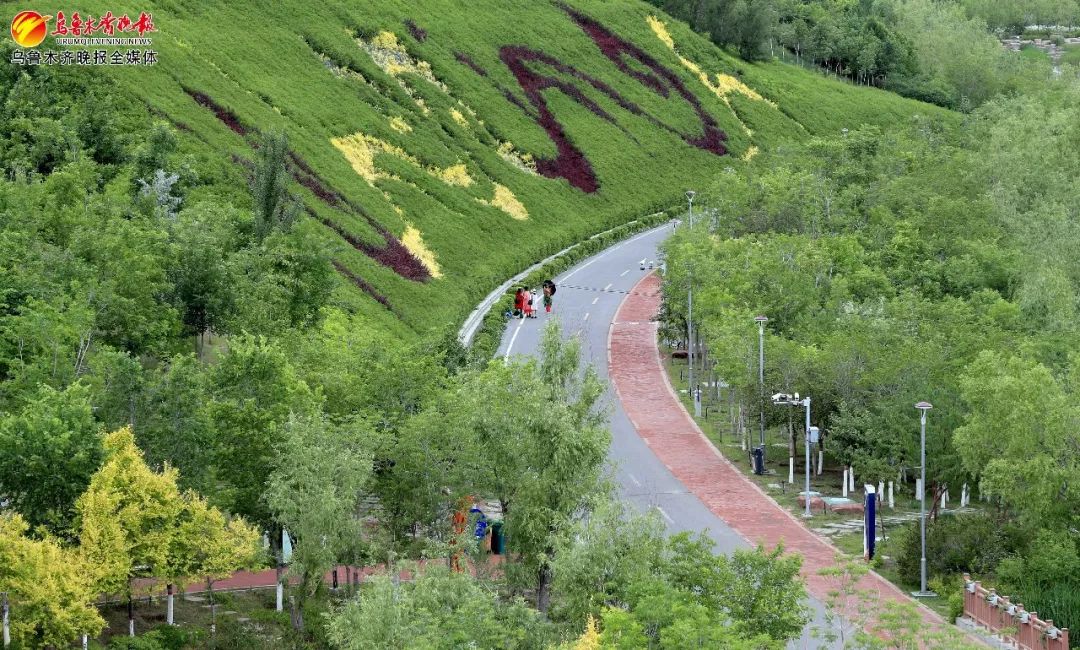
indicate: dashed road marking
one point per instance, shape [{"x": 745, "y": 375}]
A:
[
  {"x": 596, "y": 300},
  {"x": 586, "y": 316},
  {"x": 624, "y": 273},
  {"x": 607, "y": 287},
  {"x": 634, "y": 480}
]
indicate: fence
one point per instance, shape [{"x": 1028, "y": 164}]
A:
[{"x": 1016, "y": 626}]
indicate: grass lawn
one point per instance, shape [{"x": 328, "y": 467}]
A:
[
  {"x": 245, "y": 619},
  {"x": 1034, "y": 53},
  {"x": 1071, "y": 55}
]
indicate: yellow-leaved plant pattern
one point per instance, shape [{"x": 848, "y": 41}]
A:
[
  {"x": 722, "y": 85},
  {"x": 413, "y": 241}
]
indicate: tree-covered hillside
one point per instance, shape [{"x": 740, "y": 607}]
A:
[
  {"x": 245, "y": 259},
  {"x": 476, "y": 141}
]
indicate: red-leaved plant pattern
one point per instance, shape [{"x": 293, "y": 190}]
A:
[
  {"x": 392, "y": 254},
  {"x": 570, "y": 162}
]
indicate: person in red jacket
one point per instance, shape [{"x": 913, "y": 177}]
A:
[{"x": 519, "y": 309}]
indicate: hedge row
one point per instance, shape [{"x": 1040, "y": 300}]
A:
[{"x": 486, "y": 341}]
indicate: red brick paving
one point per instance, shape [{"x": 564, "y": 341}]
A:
[{"x": 642, "y": 385}]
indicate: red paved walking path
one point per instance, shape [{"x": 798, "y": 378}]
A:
[{"x": 642, "y": 384}]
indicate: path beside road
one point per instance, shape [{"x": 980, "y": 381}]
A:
[
  {"x": 641, "y": 382},
  {"x": 588, "y": 297}
]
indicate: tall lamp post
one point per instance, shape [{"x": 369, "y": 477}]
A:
[
  {"x": 923, "y": 592},
  {"x": 783, "y": 399},
  {"x": 690, "y": 315},
  {"x": 761, "y": 320}
]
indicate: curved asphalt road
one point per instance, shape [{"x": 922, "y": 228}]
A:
[{"x": 587, "y": 299}]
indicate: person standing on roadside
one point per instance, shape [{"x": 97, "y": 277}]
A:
[
  {"x": 518, "y": 300},
  {"x": 527, "y": 302}
]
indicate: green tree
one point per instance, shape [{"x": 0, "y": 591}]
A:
[
  {"x": 438, "y": 609},
  {"x": 1020, "y": 435},
  {"x": 203, "y": 238},
  {"x": 177, "y": 427},
  {"x": 315, "y": 494},
  {"x": 47, "y": 453},
  {"x": 275, "y": 208},
  {"x": 281, "y": 283},
  {"x": 253, "y": 391},
  {"x": 598, "y": 560},
  {"x": 153, "y": 153},
  {"x": 540, "y": 442}
]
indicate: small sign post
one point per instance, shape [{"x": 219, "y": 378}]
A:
[{"x": 869, "y": 521}]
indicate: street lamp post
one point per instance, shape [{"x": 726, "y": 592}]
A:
[
  {"x": 690, "y": 315},
  {"x": 761, "y": 320},
  {"x": 923, "y": 592},
  {"x": 793, "y": 400}
]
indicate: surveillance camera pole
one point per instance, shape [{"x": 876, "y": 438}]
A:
[{"x": 789, "y": 400}]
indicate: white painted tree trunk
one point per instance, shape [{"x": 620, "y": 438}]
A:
[
  {"x": 851, "y": 479},
  {"x": 892, "y": 503},
  {"x": 845, "y": 483},
  {"x": 169, "y": 606},
  {"x": 880, "y": 491},
  {"x": 6, "y": 616},
  {"x": 918, "y": 489},
  {"x": 819, "y": 461},
  {"x": 791, "y": 469}
]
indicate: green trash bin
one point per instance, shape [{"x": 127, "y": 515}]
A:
[{"x": 498, "y": 542}]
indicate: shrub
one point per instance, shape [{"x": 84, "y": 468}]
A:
[
  {"x": 1059, "y": 603},
  {"x": 952, "y": 589},
  {"x": 975, "y": 543}
]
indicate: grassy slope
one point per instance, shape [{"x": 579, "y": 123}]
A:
[{"x": 261, "y": 64}]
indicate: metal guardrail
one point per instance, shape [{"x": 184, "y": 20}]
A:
[
  {"x": 476, "y": 318},
  {"x": 1017, "y": 626}
]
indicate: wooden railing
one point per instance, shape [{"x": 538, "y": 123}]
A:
[{"x": 1016, "y": 626}]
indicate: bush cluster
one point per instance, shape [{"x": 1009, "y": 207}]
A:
[{"x": 975, "y": 543}]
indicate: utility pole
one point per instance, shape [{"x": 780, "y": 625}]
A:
[{"x": 923, "y": 592}]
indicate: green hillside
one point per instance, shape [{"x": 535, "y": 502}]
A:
[{"x": 478, "y": 139}]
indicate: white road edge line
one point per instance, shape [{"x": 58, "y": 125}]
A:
[
  {"x": 624, "y": 273},
  {"x": 510, "y": 346},
  {"x": 665, "y": 515},
  {"x": 586, "y": 316}
]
